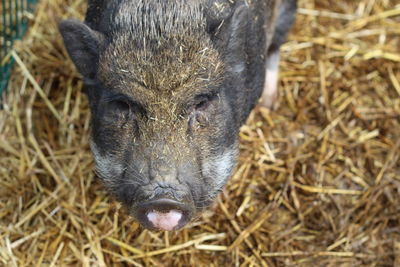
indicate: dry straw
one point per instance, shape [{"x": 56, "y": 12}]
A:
[{"x": 318, "y": 183}]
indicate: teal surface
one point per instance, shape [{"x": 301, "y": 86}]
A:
[{"x": 13, "y": 25}]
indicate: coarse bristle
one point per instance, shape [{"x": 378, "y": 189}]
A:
[{"x": 317, "y": 184}]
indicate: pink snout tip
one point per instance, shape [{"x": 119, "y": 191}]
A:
[{"x": 165, "y": 221}]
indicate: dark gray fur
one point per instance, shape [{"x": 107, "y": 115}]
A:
[{"x": 170, "y": 82}]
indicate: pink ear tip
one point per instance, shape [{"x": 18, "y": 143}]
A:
[{"x": 165, "y": 221}]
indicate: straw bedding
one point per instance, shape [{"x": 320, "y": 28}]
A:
[{"x": 317, "y": 184}]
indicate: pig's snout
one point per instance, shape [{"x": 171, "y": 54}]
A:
[{"x": 164, "y": 214}]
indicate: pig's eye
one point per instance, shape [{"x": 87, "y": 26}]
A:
[
  {"x": 203, "y": 102},
  {"x": 199, "y": 115},
  {"x": 202, "y": 105},
  {"x": 119, "y": 105},
  {"x": 117, "y": 111}
]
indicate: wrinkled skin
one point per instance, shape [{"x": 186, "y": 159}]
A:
[{"x": 169, "y": 85}]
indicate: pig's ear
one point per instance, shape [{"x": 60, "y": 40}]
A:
[
  {"x": 238, "y": 28},
  {"x": 82, "y": 44}
]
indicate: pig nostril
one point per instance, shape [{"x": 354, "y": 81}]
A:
[{"x": 163, "y": 214}]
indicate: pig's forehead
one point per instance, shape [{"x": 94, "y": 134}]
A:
[
  {"x": 155, "y": 97},
  {"x": 177, "y": 68}
]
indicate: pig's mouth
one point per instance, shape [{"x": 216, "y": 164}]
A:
[{"x": 168, "y": 206}]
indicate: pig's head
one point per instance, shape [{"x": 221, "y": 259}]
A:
[{"x": 164, "y": 133}]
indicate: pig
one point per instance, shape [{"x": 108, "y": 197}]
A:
[{"x": 169, "y": 83}]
